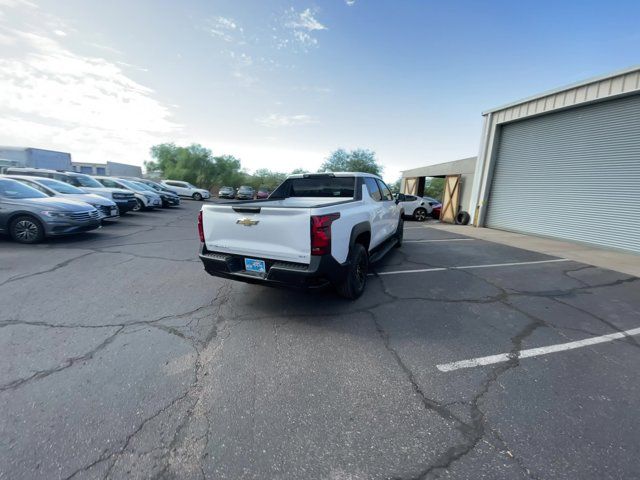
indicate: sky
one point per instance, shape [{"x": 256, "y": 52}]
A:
[{"x": 281, "y": 84}]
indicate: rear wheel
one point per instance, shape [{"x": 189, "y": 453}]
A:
[
  {"x": 355, "y": 281},
  {"x": 26, "y": 229},
  {"x": 197, "y": 197},
  {"x": 420, "y": 214}
]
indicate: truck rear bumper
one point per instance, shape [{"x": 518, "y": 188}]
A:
[{"x": 323, "y": 270}]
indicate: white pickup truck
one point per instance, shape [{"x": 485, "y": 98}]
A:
[{"x": 313, "y": 230}]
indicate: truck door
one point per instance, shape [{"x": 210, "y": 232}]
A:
[
  {"x": 376, "y": 217},
  {"x": 389, "y": 210}
]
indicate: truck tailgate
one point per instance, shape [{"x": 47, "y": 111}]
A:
[{"x": 277, "y": 233}]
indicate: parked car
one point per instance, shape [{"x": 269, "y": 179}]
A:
[
  {"x": 416, "y": 207},
  {"x": 436, "y": 206},
  {"x": 145, "y": 200},
  {"x": 437, "y": 209},
  {"x": 185, "y": 189},
  {"x": 168, "y": 196},
  {"x": 331, "y": 228},
  {"x": 55, "y": 188},
  {"x": 263, "y": 193},
  {"x": 29, "y": 215},
  {"x": 245, "y": 193},
  {"x": 226, "y": 192},
  {"x": 124, "y": 199}
]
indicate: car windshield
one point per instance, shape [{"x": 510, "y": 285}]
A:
[
  {"x": 143, "y": 186},
  {"x": 60, "y": 187},
  {"x": 87, "y": 181},
  {"x": 245, "y": 189},
  {"x": 16, "y": 190},
  {"x": 131, "y": 185}
]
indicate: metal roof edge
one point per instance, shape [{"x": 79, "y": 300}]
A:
[{"x": 561, "y": 89}]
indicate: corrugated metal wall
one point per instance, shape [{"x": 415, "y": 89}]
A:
[{"x": 574, "y": 174}]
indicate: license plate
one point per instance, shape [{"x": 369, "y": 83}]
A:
[
  {"x": 114, "y": 212},
  {"x": 253, "y": 265}
]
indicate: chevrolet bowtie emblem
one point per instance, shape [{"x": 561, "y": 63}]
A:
[{"x": 247, "y": 222}]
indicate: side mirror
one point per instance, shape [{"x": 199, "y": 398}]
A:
[{"x": 400, "y": 198}]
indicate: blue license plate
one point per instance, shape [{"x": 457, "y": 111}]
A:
[{"x": 253, "y": 265}]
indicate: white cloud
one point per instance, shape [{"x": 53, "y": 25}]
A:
[
  {"x": 224, "y": 28},
  {"x": 350, "y": 3},
  {"x": 60, "y": 33},
  {"x": 302, "y": 24},
  {"x": 54, "y": 98},
  {"x": 277, "y": 120},
  {"x": 307, "y": 21}
]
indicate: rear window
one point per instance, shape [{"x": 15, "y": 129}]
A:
[{"x": 338, "y": 187}]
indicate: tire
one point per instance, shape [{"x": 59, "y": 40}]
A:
[
  {"x": 355, "y": 280},
  {"x": 420, "y": 214},
  {"x": 139, "y": 206},
  {"x": 462, "y": 218},
  {"x": 197, "y": 197},
  {"x": 26, "y": 229},
  {"x": 399, "y": 233}
]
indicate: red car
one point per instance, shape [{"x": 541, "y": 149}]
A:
[
  {"x": 437, "y": 208},
  {"x": 263, "y": 193}
]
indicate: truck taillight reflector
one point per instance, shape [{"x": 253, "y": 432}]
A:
[
  {"x": 200, "y": 229},
  {"x": 321, "y": 233}
]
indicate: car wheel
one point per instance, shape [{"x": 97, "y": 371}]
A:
[
  {"x": 138, "y": 206},
  {"x": 197, "y": 197},
  {"x": 356, "y": 278},
  {"x": 26, "y": 229},
  {"x": 399, "y": 233},
  {"x": 420, "y": 215}
]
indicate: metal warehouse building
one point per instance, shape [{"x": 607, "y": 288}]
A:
[{"x": 565, "y": 164}]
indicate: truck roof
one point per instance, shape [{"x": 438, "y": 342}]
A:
[{"x": 333, "y": 174}]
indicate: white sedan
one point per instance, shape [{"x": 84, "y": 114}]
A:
[
  {"x": 416, "y": 207},
  {"x": 185, "y": 189}
]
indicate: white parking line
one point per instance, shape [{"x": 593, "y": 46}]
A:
[
  {"x": 465, "y": 267},
  {"x": 440, "y": 240},
  {"x": 534, "y": 352}
]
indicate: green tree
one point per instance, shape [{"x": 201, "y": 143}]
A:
[
  {"x": 192, "y": 164},
  {"x": 358, "y": 160},
  {"x": 299, "y": 170},
  {"x": 434, "y": 188},
  {"x": 195, "y": 164},
  {"x": 263, "y": 177}
]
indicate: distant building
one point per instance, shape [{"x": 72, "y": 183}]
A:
[
  {"x": 110, "y": 168},
  {"x": 34, "y": 157}
]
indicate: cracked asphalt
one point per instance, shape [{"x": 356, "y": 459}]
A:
[{"x": 122, "y": 358}]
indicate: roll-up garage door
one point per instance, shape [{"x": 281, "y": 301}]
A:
[{"x": 573, "y": 174}]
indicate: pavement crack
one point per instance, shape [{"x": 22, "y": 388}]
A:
[
  {"x": 48, "y": 270},
  {"x": 68, "y": 363}
]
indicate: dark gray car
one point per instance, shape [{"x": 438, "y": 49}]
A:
[{"x": 29, "y": 215}]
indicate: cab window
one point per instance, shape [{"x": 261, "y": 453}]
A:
[
  {"x": 386, "y": 192},
  {"x": 372, "y": 188}
]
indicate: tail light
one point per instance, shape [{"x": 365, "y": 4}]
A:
[
  {"x": 200, "y": 229},
  {"x": 321, "y": 233}
]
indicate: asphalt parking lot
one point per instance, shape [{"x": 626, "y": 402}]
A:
[{"x": 122, "y": 358}]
